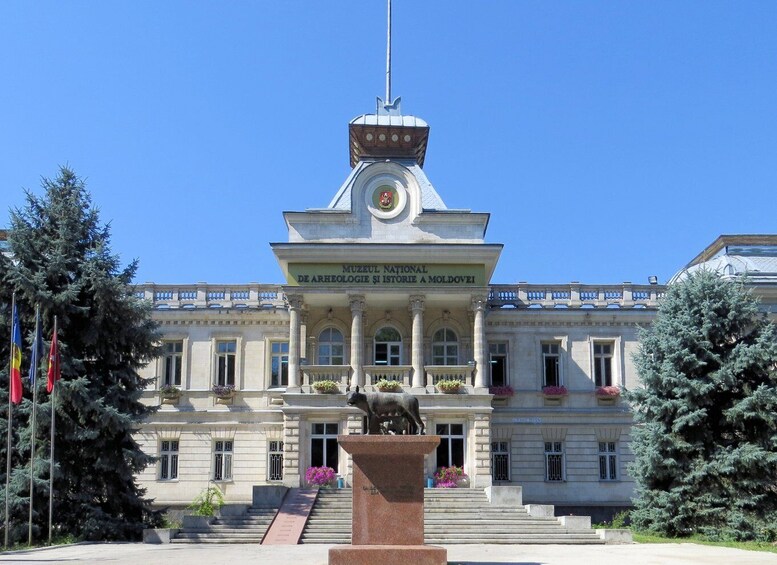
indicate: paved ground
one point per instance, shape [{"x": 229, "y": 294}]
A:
[{"x": 214, "y": 554}]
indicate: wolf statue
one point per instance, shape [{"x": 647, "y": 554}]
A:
[{"x": 388, "y": 407}]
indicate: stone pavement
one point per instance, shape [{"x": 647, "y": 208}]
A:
[{"x": 214, "y": 554}]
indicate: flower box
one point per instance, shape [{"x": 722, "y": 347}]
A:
[
  {"x": 223, "y": 393},
  {"x": 449, "y": 386},
  {"x": 553, "y": 395},
  {"x": 384, "y": 385},
  {"x": 169, "y": 394},
  {"x": 326, "y": 387},
  {"x": 607, "y": 395},
  {"x": 501, "y": 390}
]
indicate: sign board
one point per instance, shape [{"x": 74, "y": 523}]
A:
[{"x": 386, "y": 275}]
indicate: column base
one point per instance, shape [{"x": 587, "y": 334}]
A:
[{"x": 388, "y": 555}]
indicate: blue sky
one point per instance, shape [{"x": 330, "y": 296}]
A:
[{"x": 609, "y": 140}]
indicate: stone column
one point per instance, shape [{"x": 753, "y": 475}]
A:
[
  {"x": 295, "y": 305},
  {"x": 417, "y": 354},
  {"x": 357, "y": 339},
  {"x": 479, "y": 347}
]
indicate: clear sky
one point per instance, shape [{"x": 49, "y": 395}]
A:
[{"x": 609, "y": 140}]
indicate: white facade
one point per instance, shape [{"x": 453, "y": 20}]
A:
[{"x": 387, "y": 282}]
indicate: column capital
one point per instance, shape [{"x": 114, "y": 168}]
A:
[
  {"x": 357, "y": 302},
  {"x": 479, "y": 303},
  {"x": 295, "y": 301},
  {"x": 417, "y": 302}
]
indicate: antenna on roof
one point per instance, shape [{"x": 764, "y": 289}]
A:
[
  {"x": 388, "y": 56},
  {"x": 388, "y": 106}
]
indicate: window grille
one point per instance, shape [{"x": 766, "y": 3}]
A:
[
  {"x": 500, "y": 461},
  {"x": 275, "y": 461},
  {"x": 222, "y": 468},
  {"x": 168, "y": 460},
  {"x": 554, "y": 461},
  {"x": 608, "y": 461}
]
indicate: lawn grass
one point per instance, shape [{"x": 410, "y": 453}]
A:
[{"x": 649, "y": 537}]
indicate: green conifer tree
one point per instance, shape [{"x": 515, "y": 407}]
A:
[
  {"x": 705, "y": 440},
  {"x": 62, "y": 261}
]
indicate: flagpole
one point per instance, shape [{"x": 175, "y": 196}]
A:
[
  {"x": 51, "y": 456},
  {"x": 34, "y": 361},
  {"x": 10, "y": 422}
]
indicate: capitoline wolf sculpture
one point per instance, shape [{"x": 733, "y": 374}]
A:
[{"x": 398, "y": 411}]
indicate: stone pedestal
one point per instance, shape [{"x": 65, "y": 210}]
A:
[{"x": 388, "y": 502}]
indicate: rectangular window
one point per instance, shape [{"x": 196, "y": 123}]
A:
[
  {"x": 168, "y": 460},
  {"x": 451, "y": 449},
  {"x": 603, "y": 364},
  {"x": 280, "y": 364},
  {"x": 554, "y": 461},
  {"x": 497, "y": 357},
  {"x": 500, "y": 460},
  {"x": 225, "y": 362},
  {"x": 608, "y": 461},
  {"x": 551, "y": 373},
  {"x": 275, "y": 461},
  {"x": 222, "y": 461},
  {"x": 323, "y": 446},
  {"x": 173, "y": 355}
]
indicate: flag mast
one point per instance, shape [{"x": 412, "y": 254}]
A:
[
  {"x": 34, "y": 362},
  {"x": 53, "y": 376},
  {"x": 10, "y": 421}
]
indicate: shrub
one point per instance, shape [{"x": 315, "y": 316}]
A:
[
  {"x": 385, "y": 385},
  {"x": 207, "y": 502},
  {"x": 326, "y": 386},
  {"x": 449, "y": 385},
  {"x": 608, "y": 391},
  {"x": 169, "y": 390},
  {"x": 555, "y": 390},
  {"x": 449, "y": 477},
  {"x": 223, "y": 390},
  {"x": 321, "y": 476}
]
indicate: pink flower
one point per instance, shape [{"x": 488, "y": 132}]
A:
[
  {"x": 608, "y": 391},
  {"x": 320, "y": 475},
  {"x": 554, "y": 390},
  {"x": 501, "y": 390},
  {"x": 449, "y": 477}
]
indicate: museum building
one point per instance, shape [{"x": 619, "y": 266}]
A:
[{"x": 387, "y": 286}]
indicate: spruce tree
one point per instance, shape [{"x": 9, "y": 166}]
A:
[
  {"x": 705, "y": 440},
  {"x": 62, "y": 261}
]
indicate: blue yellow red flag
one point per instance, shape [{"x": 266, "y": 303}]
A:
[{"x": 16, "y": 358}]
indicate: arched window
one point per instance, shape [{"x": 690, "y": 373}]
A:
[
  {"x": 331, "y": 347},
  {"x": 388, "y": 347},
  {"x": 445, "y": 347}
]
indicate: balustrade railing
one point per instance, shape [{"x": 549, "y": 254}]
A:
[
  {"x": 314, "y": 373},
  {"x": 399, "y": 373},
  {"x": 437, "y": 373},
  {"x": 211, "y": 296},
  {"x": 575, "y": 295}
]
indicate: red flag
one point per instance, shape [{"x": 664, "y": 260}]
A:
[
  {"x": 16, "y": 358},
  {"x": 53, "y": 363}
]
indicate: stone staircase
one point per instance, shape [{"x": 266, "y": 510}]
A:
[
  {"x": 451, "y": 516},
  {"x": 243, "y": 526},
  {"x": 330, "y": 519}
]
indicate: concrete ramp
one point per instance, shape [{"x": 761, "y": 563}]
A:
[{"x": 292, "y": 516}]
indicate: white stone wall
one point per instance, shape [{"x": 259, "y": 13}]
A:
[{"x": 256, "y": 415}]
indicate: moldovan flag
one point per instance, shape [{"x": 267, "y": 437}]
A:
[
  {"x": 16, "y": 359},
  {"x": 53, "y": 362}
]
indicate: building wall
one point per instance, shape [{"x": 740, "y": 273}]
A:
[{"x": 258, "y": 414}]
